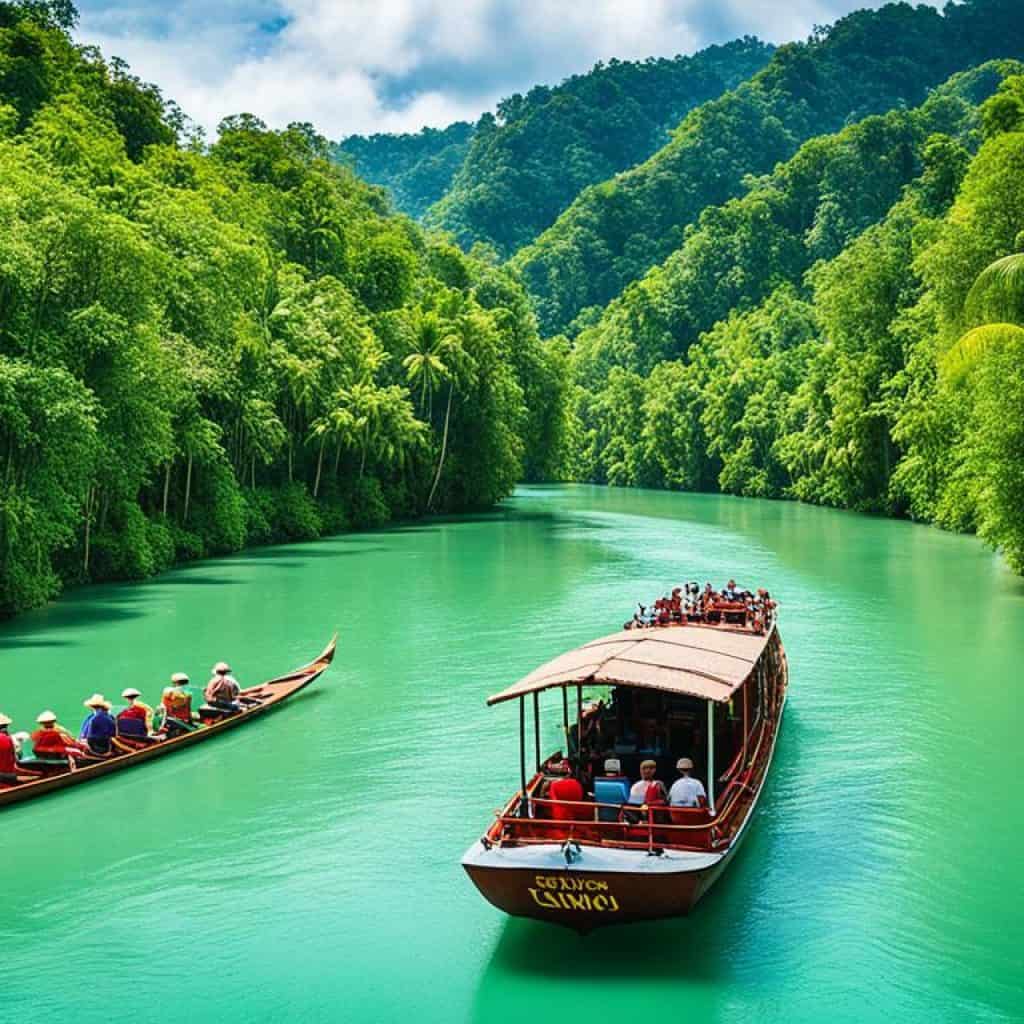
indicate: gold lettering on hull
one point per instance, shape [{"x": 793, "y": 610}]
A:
[{"x": 562, "y": 892}]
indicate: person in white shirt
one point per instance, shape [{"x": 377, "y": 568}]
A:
[
  {"x": 686, "y": 792},
  {"x": 647, "y": 789}
]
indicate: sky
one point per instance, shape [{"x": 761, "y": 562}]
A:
[{"x": 364, "y": 66}]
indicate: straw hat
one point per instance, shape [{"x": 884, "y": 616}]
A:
[
  {"x": 131, "y": 693},
  {"x": 221, "y": 667},
  {"x": 97, "y": 700},
  {"x": 179, "y": 677},
  {"x": 46, "y": 718},
  {"x": 613, "y": 766},
  {"x": 4, "y": 720},
  {"x": 684, "y": 764}
]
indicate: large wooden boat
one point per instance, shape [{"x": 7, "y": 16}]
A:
[
  {"x": 257, "y": 700},
  {"x": 711, "y": 688}
]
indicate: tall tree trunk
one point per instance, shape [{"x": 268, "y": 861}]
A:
[
  {"x": 291, "y": 460},
  {"x": 337, "y": 456},
  {"x": 167, "y": 485},
  {"x": 366, "y": 444},
  {"x": 188, "y": 489},
  {"x": 319, "y": 465},
  {"x": 88, "y": 526},
  {"x": 444, "y": 447}
]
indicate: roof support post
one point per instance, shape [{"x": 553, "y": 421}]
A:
[
  {"x": 711, "y": 756},
  {"x": 579, "y": 728},
  {"x": 565, "y": 717},
  {"x": 536, "y": 727},
  {"x": 524, "y": 811}
]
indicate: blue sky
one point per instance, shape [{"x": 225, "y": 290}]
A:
[{"x": 397, "y": 65}]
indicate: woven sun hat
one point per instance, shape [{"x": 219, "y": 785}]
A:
[
  {"x": 613, "y": 766},
  {"x": 131, "y": 693},
  {"x": 179, "y": 677},
  {"x": 46, "y": 718},
  {"x": 97, "y": 700},
  {"x": 649, "y": 762},
  {"x": 684, "y": 764},
  {"x": 221, "y": 667},
  {"x": 4, "y": 720}
]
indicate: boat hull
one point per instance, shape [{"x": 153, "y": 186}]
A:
[
  {"x": 600, "y": 887},
  {"x": 270, "y": 695}
]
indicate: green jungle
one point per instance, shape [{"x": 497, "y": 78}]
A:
[{"x": 792, "y": 272}]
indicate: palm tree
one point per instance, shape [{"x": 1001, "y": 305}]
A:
[
  {"x": 996, "y": 304},
  {"x": 425, "y": 364}
]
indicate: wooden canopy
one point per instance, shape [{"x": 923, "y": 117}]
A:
[{"x": 709, "y": 662}]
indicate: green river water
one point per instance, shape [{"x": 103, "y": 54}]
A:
[{"x": 306, "y": 868}]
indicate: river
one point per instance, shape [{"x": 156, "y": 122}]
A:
[{"x": 306, "y": 868}]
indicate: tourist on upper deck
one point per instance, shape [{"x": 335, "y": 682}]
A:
[
  {"x": 99, "y": 727},
  {"x": 647, "y": 789},
  {"x": 686, "y": 791},
  {"x": 222, "y": 690},
  {"x": 730, "y": 591}
]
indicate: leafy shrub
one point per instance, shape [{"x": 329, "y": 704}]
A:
[{"x": 294, "y": 515}]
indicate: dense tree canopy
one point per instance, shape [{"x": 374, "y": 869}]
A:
[
  {"x": 200, "y": 348},
  {"x": 868, "y": 63},
  {"x": 528, "y": 162},
  {"x": 416, "y": 168},
  {"x": 850, "y": 332}
]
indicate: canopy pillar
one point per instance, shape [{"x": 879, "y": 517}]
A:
[{"x": 711, "y": 755}]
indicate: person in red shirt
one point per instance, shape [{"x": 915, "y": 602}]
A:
[
  {"x": 8, "y": 753},
  {"x": 53, "y": 740},
  {"x": 567, "y": 789}
]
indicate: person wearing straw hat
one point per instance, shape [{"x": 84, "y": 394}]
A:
[
  {"x": 51, "y": 740},
  {"x": 686, "y": 791},
  {"x": 136, "y": 711},
  {"x": 176, "y": 701},
  {"x": 99, "y": 728},
  {"x": 222, "y": 690},
  {"x": 8, "y": 753}
]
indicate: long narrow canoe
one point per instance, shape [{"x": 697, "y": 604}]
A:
[{"x": 266, "y": 696}]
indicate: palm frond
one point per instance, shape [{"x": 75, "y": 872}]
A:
[
  {"x": 998, "y": 292},
  {"x": 972, "y": 348}
]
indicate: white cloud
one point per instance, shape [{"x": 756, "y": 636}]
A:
[{"x": 397, "y": 65}]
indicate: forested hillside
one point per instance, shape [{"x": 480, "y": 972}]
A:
[
  {"x": 525, "y": 165},
  {"x": 834, "y": 337},
  {"x": 416, "y": 168},
  {"x": 869, "y": 62},
  {"x": 205, "y": 348}
]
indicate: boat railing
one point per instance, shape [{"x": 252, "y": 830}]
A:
[{"x": 639, "y": 826}]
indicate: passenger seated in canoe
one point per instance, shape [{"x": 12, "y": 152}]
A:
[
  {"x": 8, "y": 754},
  {"x": 686, "y": 791},
  {"x": 647, "y": 789},
  {"x": 52, "y": 741},
  {"x": 99, "y": 727},
  {"x": 222, "y": 690},
  {"x": 136, "y": 720},
  {"x": 176, "y": 702}
]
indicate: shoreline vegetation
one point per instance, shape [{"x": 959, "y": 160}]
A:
[
  {"x": 814, "y": 290},
  {"x": 204, "y": 347}
]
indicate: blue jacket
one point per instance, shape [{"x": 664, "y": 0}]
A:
[{"x": 99, "y": 725}]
